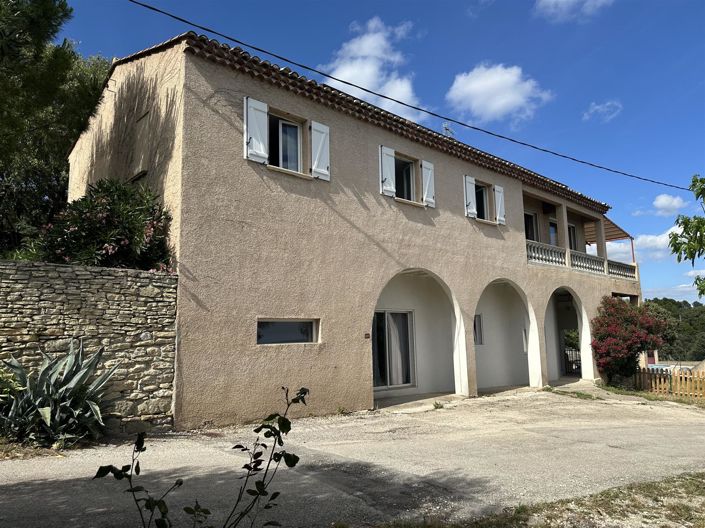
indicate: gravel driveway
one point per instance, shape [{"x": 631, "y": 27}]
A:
[{"x": 470, "y": 457}]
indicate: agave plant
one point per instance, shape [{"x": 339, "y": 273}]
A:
[{"x": 59, "y": 403}]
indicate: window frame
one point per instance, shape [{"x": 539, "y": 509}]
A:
[
  {"x": 414, "y": 163},
  {"x": 485, "y": 188},
  {"x": 534, "y": 223},
  {"x": 551, "y": 222},
  {"x": 412, "y": 351},
  {"x": 478, "y": 337},
  {"x": 572, "y": 237},
  {"x": 299, "y": 141},
  {"x": 315, "y": 331}
]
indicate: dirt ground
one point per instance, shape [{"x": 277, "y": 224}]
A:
[{"x": 408, "y": 461}]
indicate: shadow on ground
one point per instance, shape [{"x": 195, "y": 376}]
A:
[{"x": 312, "y": 495}]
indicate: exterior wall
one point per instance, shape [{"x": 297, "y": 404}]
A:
[
  {"x": 502, "y": 360},
  {"x": 130, "y": 313},
  {"x": 433, "y": 331},
  {"x": 137, "y": 127},
  {"x": 261, "y": 243}
]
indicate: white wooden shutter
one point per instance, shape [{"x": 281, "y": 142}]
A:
[
  {"x": 386, "y": 171},
  {"x": 429, "y": 187},
  {"x": 470, "y": 202},
  {"x": 499, "y": 204},
  {"x": 320, "y": 151},
  {"x": 256, "y": 131}
]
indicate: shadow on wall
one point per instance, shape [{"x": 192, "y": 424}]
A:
[
  {"x": 313, "y": 495},
  {"x": 140, "y": 140}
]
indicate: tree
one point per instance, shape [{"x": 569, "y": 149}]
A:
[
  {"x": 116, "y": 225},
  {"x": 689, "y": 330},
  {"x": 688, "y": 243},
  {"x": 621, "y": 331},
  {"x": 47, "y": 94}
]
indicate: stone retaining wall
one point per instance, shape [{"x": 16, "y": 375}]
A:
[{"x": 131, "y": 313}]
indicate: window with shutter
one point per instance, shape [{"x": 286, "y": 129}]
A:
[
  {"x": 429, "y": 187},
  {"x": 387, "y": 180},
  {"x": 470, "y": 197},
  {"x": 499, "y": 204}
]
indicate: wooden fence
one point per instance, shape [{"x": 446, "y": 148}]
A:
[{"x": 679, "y": 383}]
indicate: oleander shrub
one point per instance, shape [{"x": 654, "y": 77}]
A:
[
  {"x": 621, "y": 331},
  {"x": 59, "y": 403},
  {"x": 116, "y": 224}
]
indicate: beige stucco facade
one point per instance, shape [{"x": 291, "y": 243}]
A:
[{"x": 256, "y": 242}]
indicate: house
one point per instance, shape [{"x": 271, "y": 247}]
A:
[{"x": 324, "y": 242}]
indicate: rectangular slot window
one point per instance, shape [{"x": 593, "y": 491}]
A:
[
  {"x": 530, "y": 227},
  {"x": 284, "y": 144},
  {"x": 553, "y": 232},
  {"x": 477, "y": 329},
  {"x": 286, "y": 331},
  {"x": 405, "y": 178},
  {"x": 572, "y": 238},
  {"x": 481, "y": 202},
  {"x": 392, "y": 349}
]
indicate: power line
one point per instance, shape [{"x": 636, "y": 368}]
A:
[{"x": 407, "y": 105}]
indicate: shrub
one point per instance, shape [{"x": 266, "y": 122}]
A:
[
  {"x": 254, "y": 495},
  {"x": 8, "y": 387},
  {"x": 621, "y": 331},
  {"x": 115, "y": 224},
  {"x": 59, "y": 403}
]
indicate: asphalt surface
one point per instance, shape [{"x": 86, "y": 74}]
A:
[{"x": 410, "y": 461}]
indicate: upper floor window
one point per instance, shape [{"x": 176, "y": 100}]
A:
[
  {"x": 277, "y": 139},
  {"x": 531, "y": 226},
  {"x": 553, "y": 232},
  {"x": 572, "y": 237},
  {"x": 405, "y": 178},
  {"x": 484, "y": 201}
]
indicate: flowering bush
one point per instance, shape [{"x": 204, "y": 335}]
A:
[
  {"x": 115, "y": 225},
  {"x": 621, "y": 331}
]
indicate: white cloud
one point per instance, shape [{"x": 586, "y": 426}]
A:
[
  {"x": 491, "y": 92},
  {"x": 566, "y": 10},
  {"x": 605, "y": 112},
  {"x": 668, "y": 205},
  {"x": 371, "y": 60},
  {"x": 476, "y": 6},
  {"x": 646, "y": 247},
  {"x": 695, "y": 273},
  {"x": 680, "y": 292}
]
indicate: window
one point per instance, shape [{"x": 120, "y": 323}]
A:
[
  {"x": 477, "y": 329},
  {"x": 284, "y": 144},
  {"x": 572, "y": 238},
  {"x": 553, "y": 232},
  {"x": 481, "y": 202},
  {"x": 286, "y": 331},
  {"x": 405, "y": 178},
  {"x": 392, "y": 349},
  {"x": 530, "y": 226}
]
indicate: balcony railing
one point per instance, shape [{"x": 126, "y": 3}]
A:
[{"x": 557, "y": 256}]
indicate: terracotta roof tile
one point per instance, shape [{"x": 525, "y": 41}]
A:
[{"x": 285, "y": 78}]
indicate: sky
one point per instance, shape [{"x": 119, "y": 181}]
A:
[{"x": 616, "y": 82}]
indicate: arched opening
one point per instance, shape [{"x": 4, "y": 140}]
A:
[
  {"x": 418, "y": 339},
  {"x": 507, "y": 350},
  {"x": 567, "y": 331}
]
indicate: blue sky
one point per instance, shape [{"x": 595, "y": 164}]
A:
[{"x": 617, "y": 82}]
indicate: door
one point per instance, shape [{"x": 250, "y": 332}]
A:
[{"x": 392, "y": 349}]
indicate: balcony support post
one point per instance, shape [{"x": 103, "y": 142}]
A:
[
  {"x": 563, "y": 237},
  {"x": 601, "y": 241}
]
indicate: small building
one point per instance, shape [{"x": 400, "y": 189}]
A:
[{"x": 324, "y": 242}]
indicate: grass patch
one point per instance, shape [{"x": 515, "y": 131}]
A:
[
  {"x": 651, "y": 396},
  {"x": 438, "y": 405},
  {"x": 572, "y": 394},
  {"x": 14, "y": 451},
  {"x": 678, "y": 501}
]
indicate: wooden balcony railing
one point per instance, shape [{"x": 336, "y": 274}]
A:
[{"x": 541, "y": 253}]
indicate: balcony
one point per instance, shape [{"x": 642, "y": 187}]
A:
[{"x": 540, "y": 253}]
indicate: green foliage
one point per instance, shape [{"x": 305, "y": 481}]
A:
[
  {"x": 688, "y": 343},
  {"x": 572, "y": 339},
  {"x": 8, "y": 387},
  {"x": 115, "y": 224},
  {"x": 621, "y": 331},
  {"x": 689, "y": 242},
  {"x": 47, "y": 93},
  {"x": 254, "y": 495},
  {"x": 57, "y": 404}
]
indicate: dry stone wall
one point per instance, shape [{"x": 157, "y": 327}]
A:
[{"x": 131, "y": 313}]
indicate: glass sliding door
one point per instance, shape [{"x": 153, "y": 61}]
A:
[{"x": 392, "y": 349}]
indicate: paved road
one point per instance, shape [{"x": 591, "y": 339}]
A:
[{"x": 470, "y": 457}]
